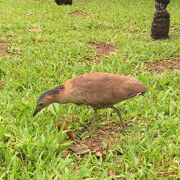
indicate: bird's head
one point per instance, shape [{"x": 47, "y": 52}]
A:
[{"x": 47, "y": 98}]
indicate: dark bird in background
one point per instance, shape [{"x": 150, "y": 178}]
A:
[
  {"x": 63, "y": 2},
  {"x": 97, "y": 89}
]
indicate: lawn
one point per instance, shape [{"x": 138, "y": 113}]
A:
[{"x": 43, "y": 44}]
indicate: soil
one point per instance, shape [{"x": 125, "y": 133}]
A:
[
  {"x": 106, "y": 134},
  {"x": 165, "y": 65},
  {"x": 79, "y": 14},
  {"x": 1, "y": 84},
  {"x": 102, "y": 49},
  {"x": 35, "y": 29},
  {"x": 167, "y": 174},
  {"x": 94, "y": 60},
  {"x": 3, "y": 48},
  {"x": 69, "y": 133}
]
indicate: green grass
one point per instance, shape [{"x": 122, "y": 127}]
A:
[{"x": 31, "y": 148}]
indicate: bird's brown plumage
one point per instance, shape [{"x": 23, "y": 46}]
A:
[
  {"x": 97, "y": 89},
  {"x": 100, "y": 89}
]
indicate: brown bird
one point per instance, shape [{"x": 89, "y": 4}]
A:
[{"x": 96, "y": 89}]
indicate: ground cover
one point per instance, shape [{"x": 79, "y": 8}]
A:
[{"x": 42, "y": 45}]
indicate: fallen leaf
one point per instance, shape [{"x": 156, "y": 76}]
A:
[
  {"x": 80, "y": 149},
  {"x": 79, "y": 14},
  {"x": 64, "y": 153},
  {"x": 68, "y": 132},
  {"x": 35, "y": 29},
  {"x": 98, "y": 154},
  {"x": 165, "y": 174},
  {"x": 111, "y": 173},
  {"x": 58, "y": 126},
  {"x": 2, "y": 84},
  {"x": 122, "y": 178},
  {"x": 3, "y": 48}
]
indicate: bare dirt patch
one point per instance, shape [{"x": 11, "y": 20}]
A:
[
  {"x": 103, "y": 139},
  {"x": 93, "y": 60},
  {"x": 165, "y": 65},
  {"x": 78, "y": 13},
  {"x": 167, "y": 174},
  {"x": 35, "y": 29},
  {"x": 102, "y": 49},
  {"x": 3, "y": 47},
  {"x": 98, "y": 143},
  {"x": 4, "y": 51},
  {"x": 1, "y": 84}
]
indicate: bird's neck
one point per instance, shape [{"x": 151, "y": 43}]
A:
[
  {"x": 56, "y": 95},
  {"x": 60, "y": 97}
]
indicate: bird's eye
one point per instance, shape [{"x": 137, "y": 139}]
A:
[{"x": 41, "y": 104}]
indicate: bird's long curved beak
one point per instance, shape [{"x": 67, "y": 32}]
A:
[{"x": 38, "y": 109}]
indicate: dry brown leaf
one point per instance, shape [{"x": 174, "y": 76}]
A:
[
  {"x": 68, "y": 132},
  {"x": 64, "y": 153},
  {"x": 2, "y": 84},
  {"x": 111, "y": 173},
  {"x": 35, "y": 29},
  {"x": 3, "y": 49},
  {"x": 98, "y": 154},
  {"x": 79, "y": 14},
  {"x": 122, "y": 178},
  {"x": 80, "y": 149},
  {"x": 166, "y": 174}
]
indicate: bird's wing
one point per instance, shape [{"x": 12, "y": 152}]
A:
[{"x": 102, "y": 89}]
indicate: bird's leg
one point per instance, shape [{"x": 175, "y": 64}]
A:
[
  {"x": 94, "y": 119},
  {"x": 120, "y": 117}
]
